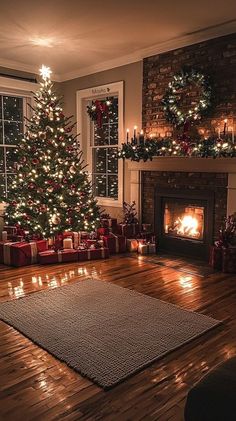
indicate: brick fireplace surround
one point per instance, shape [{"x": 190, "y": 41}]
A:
[
  {"x": 193, "y": 174},
  {"x": 216, "y": 58}
]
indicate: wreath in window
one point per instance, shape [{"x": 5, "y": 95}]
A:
[
  {"x": 100, "y": 109},
  {"x": 179, "y": 90}
]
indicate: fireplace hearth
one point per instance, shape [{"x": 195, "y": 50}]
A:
[{"x": 184, "y": 221}]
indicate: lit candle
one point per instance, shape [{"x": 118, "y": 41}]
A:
[
  {"x": 141, "y": 137},
  {"x": 127, "y": 135},
  {"x": 67, "y": 243},
  {"x": 225, "y": 125}
]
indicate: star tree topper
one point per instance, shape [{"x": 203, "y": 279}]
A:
[{"x": 45, "y": 72}]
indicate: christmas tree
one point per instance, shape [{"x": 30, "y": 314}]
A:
[{"x": 51, "y": 191}]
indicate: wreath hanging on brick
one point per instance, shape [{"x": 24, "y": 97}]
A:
[{"x": 173, "y": 97}]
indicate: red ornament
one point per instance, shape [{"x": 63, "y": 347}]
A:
[
  {"x": 35, "y": 161},
  {"x": 31, "y": 186}
]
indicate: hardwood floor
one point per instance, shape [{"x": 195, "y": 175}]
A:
[{"x": 36, "y": 386}]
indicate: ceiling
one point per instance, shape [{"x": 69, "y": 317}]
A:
[{"x": 78, "y": 37}]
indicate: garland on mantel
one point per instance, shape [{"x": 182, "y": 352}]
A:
[{"x": 204, "y": 147}]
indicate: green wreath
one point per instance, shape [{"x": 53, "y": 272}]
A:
[{"x": 172, "y": 98}]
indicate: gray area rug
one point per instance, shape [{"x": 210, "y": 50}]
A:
[{"x": 103, "y": 331}]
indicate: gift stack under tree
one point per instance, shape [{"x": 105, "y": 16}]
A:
[
  {"x": 51, "y": 193},
  {"x": 223, "y": 253}
]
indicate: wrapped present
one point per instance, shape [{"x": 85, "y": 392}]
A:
[
  {"x": 15, "y": 238},
  {"x": 115, "y": 243},
  {"x": 60, "y": 256},
  {"x": 147, "y": 248},
  {"x": 93, "y": 254},
  {"x": 12, "y": 230},
  {"x": 146, "y": 227},
  {"x": 75, "y": 237},
  {"x": 21, "y": 253},
  {"x": 132, "y": 244},
  {"x": 103, "y": 231},
  {"x": 216, "y": 257},
  {"x": 229, "y": 259},
  {"x": 128, "y": 230},
  {"x": 108, "y": 223}
]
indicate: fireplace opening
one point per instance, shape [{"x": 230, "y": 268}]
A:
[{"x": 184, "y": 221}]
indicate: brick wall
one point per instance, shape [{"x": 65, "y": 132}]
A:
[
  {"x": 216, "y": 58},
  {"x": 216, "y": 182}
]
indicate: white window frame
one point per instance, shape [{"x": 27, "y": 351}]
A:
[
  {"x": 82, "y": 98},
  {"x": 18, "y": 88}
]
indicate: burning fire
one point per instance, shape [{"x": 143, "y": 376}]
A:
[{"x": 188, "y": 226}]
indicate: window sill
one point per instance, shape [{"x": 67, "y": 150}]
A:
[{"x": 109, "y": 202}]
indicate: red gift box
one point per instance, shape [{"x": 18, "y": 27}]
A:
[
  {"x": 115, "y": 243},
  {"x": 11, "y": 230},
  {"x": 102, "y": 231},
  {"x": 92, "y": 254},
  {"x": 15, "y": 238},
  {"x": 108, "y": 223},
  {"x": 216, "y": 257},
  {"x": 128, "y": 230},
  {"x": 61, "y": 256},
  {"x": 229, "y": 260},
  {"x": 21, "y": 254}
]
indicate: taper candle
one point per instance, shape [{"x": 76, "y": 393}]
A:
[{"x": 127, "y": 135}]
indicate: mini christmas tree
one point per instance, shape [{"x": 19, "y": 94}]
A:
[
  {"x": 51, "y": 191},
  {"x": 130, "y": 214}
]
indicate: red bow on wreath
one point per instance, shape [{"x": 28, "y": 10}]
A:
[{"x": 101, "y": 109}]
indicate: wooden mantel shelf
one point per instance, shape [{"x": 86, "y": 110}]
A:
[{"x": 189, "y": 164}]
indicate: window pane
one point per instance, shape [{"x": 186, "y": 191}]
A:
[
  {"x": 113, "y": 186},
  {"x": 1, "y": 130},
  {"x": 101, "y": 135},
  {"x": 99, "y": 160},
  {"x": 13, "y": 108},
  {"x": 112, "y": 159},
  {"x": 1, "y": 159},
  {"x": 114, "y": 134},
  {"x": 2, "y": 185},
  {"x": 12, "y": 132},
  {"x": 10, "y": 159},
  {"x": 100, "y": 185}
]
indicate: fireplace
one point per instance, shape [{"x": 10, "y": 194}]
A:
[{"x": 184, "y": 221}]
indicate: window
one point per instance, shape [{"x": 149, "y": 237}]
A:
[
  {"x": 104, "y": 144},
  {"x": 11, "y": 130},
  {"x": 100, "y": 142}
]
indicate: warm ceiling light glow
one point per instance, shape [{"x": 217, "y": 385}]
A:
[
  {"x": 45, "y": 72},
  {"x": 42, "y": 42}
]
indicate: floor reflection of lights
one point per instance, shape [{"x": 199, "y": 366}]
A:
[
  {"x": 54, "y": 281},
  {"x": 16, "y": 291},
  {"x": 186, "y": 281}
]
